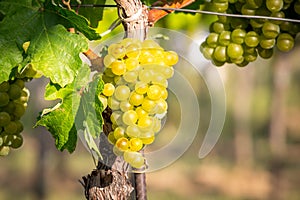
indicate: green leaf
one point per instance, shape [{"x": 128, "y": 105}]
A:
[
  {"x": 10, "y": 57},
  {"x": 60, "y": 120},
  {"x": 58, "y": 62},
  {"x": 79, "y": 22},
  {"x": 53, "y": 51},
  {"x": 95, "y": 14},
  {"x": 91, "y": 108}
]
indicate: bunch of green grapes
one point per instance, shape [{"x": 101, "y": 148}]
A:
[
  {"x": 241, "y": 40},
  {"x": 13, "y": 102},
  {"x": 136, "y": 79}
]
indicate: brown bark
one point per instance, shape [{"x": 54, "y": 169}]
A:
[{"x": 134, "y": 16}]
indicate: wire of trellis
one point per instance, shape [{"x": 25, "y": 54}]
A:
[{"x": 198, "y": 11}]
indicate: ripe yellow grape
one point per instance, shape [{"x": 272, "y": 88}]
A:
[
  {"x": 171, "y": 58},
  {"x": 108, "y": 89},
  {"x": 141, "y": 87},
  {"x": 122, "y": 92},
  {"x": 133, "y": 131},
  {"x": 145, "y": 122},
  {"x": 148, "y": 105},
  {"x": 119, "y": 132},
  {"x": 136, "y": 99},
  {"x": 122, "y": 144},
  {"x": 130, "y": 117},
  {"x": 154, "y": 92},
  {"x": 141, "y": 112},
  {"x": 135, "y": 144},
  {"x": 131, "y": 63},
  {"x": 118, "y": 67}
]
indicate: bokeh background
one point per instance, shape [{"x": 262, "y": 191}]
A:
[{"x": 256, "y": 157}]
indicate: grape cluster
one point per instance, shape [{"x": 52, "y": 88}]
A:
[
  {"x": 135, "y": 79},
  {"x": 13, "y": 102},
  {"x": 241, "y": 40}
]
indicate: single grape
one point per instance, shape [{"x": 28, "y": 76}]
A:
[
  {"x": 220, "y": 5},
  {"x": 119, "y": 132},
  {"x": 265, "y": 53},
  {"x": 274, "y": 5},
  {"x": 145, "y": 122},
  {"x": 254, "y": 3},
  {"x": 4, "y": 99},
  {"x": 11, "y": 128},
  {"x": 220, "y": 53},
  {"x": 224, "y": 38},
  {"x": 108, "y": 89},
  {"x": 113, "y": 103},
  {"x": 207, "y": 51},
  {"x": 148, "y": 140},
  {"x": 141, "y": 87},
  {"x": 252, "y": 39},
  {"x": 238, "y": 36},
  {"x": 162, "y": 106},
  {"x": 111, "y": 138},
  {"x": 171, "y": 58},
  {"x": 17, "y": 141},
  {"x": 19, "y": 110},
  {"x": 136, "y": 99},
  {"x": 270, "y": 30},
  {"x": 212, "y": 40},
  {"x": 135, "y": 144},
  {"x": 131, "y": 63},
  {"x": 130, "y": 117},
  {"x": 235, "y": 50},
  {"x": 125, "y": 106},
  {"x": 285, "y": 42},
  {"x": 130, "y": 76},
  {"x": 122, "y": 92},
  {"x": 122, "y": 144},
  {"x": 116, "y": 118},
  {"x": 266, "y": 43},
  {"x": 133, "y": 131},
  {"x": 4, "y": 119},
  {"x": 247, "y": 10},
  {"x": 141, "y": 112},
  {"x": 4, "y": 150},
  {"x": 154, "y": 92},
  {"x": 117, "y": 50},
  {"x": 218, "y": 27},
  {"x": 108, "y": 60},
  {"x": 14, "y": 92},
  {"x": 149, "y": 105},
  {"x": 118, "y": 67},
  {"x": 135, "y": 159}
]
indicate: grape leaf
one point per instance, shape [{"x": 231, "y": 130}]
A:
[
  {"x": 10, "y": 56},
  {"x": 91, "y": 108},
  {"x": 79, "y": 23},
  {"x": 58, "y": 62},
  {"x": 94, "y": 15},
  {"x": 60, "y": 120},
  {"x": 53, "y": 51}
]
